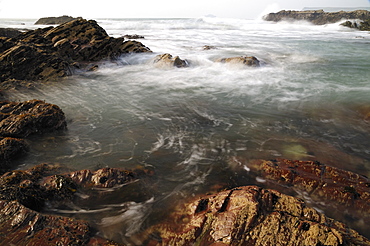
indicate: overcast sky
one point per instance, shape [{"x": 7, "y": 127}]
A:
[{"x": 245, "y": 9}]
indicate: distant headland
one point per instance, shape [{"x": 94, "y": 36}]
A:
[{"x": 359, "y": 19}]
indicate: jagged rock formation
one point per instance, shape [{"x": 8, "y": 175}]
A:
[
  {"x": 317, "y": 17},
  {"x": 167, "y": 61},
  {"x": 23, "y": 194},
  {"x": 250, "y": 216},
  {"x": 55, "y": 20},
  {"x": 54, "y": 52},
  {"x": 361, "y": 25},
  {"x": 249, "y": 61},
  {"x": 322, "y": 182},
  {"x": 345, "y": 192}
]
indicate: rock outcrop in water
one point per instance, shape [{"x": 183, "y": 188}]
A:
[
  {"x": 249, "y": 61},
  {"x": 20, "y": 119},
  {"x": 318, "y": 17},
  {"x": 23, "y": 194},
  {"x": 167, "y": 61},
  {"x": 55, "y": 20},
  {"x": 54, "y": 52},
  {"x": 347, "y": 193},
  {"x": 250, "y": 216},
  {"x": 360, "y": 25}
]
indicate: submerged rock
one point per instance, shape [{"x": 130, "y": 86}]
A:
[
  {"x": 317, "y": 17},
  {"x": 55, "y": 20},
  {"x": 250, "y": 216},
  {"x": 250, "y": 61},
  {"x": 167, "y": 60},
  {"x": 105, "y": 177}
]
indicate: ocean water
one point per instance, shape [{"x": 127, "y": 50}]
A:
[{"x": 307, "y": 101}]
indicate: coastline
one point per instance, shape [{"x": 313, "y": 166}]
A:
[{"x": 85, "y": 58}]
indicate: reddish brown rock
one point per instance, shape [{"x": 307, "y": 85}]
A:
[
  {"x": 22, "y": 226},
  {"x": 321, "y": 182},
  {"x": 250, "y": 61},
  {"x": 23, "y": 195},
  {"x": 250, "y": 216},
  {"x": 105, "y": 177}
]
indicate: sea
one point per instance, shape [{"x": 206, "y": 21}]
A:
[{"x": 309, "y": 100}]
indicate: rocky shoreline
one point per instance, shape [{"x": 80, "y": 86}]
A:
[
  {"x": 246, "y": 215},
  {"x": 358, "y": 19}
]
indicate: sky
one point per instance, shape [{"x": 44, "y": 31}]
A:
[{"x": 244, "y": 9}]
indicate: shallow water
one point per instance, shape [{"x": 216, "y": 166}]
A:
[{"x": 305, "y": 102}]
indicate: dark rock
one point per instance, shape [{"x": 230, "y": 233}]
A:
[
  {"x": 9, "y": 32},
  {"x": 167, "y": 61},
  {"x": 25, "y": 187},
  {"x": 250, "y": 61},
  {"x": 6, "y": 43},
  {"x": 55, "y": 20},
  {"x": 250, "y": 216},
  {"x": 54, "y": 52},
  {"x": 23, "y": 195},
  {"x": 25, "y": 118},
  {"x": 362, "y": 25},
  {"x": 10, "y": 148},
  {"x": 19, "y": 120},
  {"x": 28, "y": 62},
  {"x": 134, "y": 36},
  {"x": 317, "y": 17}
]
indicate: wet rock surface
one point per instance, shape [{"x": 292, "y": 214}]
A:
[
  {"x": 345, "y": 194},
  {"x": 54, "y": 52},
  {"x": 25, "y": 118},
  {"x": 360, "y": 25},
  {"x": 320, "y": 181},
  {"x": 18, "y": 120},
  {"x": 249, "y": 61},
  {"x": 250, "y": 216},
  {"x": 10, "y": 148},
  {"x": 23, "y": 195},
  {"x": 167, "y": 61},
  {"x": 317, "y": 17},
  {"x": 55, "y": 20}
]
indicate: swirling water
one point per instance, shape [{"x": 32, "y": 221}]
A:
[{"x": 307, "y": 101}]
